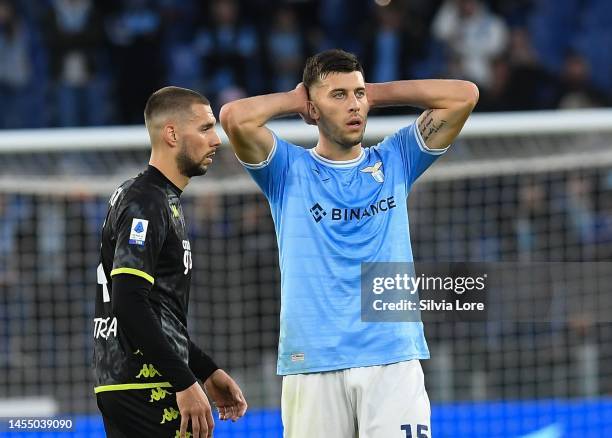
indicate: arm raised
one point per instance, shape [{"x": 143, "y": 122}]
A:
[
  {"x": 244, "y": 121},
  {"x": 448, "y": 105}
]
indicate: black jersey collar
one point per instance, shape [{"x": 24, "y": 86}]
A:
[{"x": 155, "y": 171}]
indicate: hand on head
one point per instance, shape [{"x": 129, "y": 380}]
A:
[{"x": 302, "y": 92}]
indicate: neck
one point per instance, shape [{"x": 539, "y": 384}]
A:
[
  {"x": 166, "y": 165},
  {"x": 333, "y": 151}
]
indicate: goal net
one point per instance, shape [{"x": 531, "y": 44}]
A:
[{"x": 515, "y": 187}]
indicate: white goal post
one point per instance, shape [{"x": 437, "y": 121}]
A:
[{"x": 478, "y": 128}]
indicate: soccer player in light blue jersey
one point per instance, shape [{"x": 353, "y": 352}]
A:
[{"x": 334, "y": 207}]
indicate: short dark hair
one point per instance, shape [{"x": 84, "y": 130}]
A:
[
  {"x": 171, "y": 99},
  {"x": 330, "y": 61}
]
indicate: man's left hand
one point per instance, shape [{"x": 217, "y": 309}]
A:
[{"x": 226, "y": 395}]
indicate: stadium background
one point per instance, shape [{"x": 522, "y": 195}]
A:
[{"x": 517, "y": 186}]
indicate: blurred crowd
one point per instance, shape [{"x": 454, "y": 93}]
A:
[{"x": 87, "y": 62}]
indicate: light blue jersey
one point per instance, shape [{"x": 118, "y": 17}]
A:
[{"x": 330, "y": 216}]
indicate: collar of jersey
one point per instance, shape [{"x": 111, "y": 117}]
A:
[
  {"x": 157, "y": 173},
  {"x": 338, "y": 164}
]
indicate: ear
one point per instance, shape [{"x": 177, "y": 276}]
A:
[
  {"x": 170, "y": 135},
  {"x": 313, "y": 111}
]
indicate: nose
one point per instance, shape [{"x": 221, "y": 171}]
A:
[
  {"x": 216, "y": 140},
  {"x": 353, "y": 103}
]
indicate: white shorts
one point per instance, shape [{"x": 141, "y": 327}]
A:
[{"x": 384, "y": 401}]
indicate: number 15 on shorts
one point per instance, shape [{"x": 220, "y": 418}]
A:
[{"x": 422, "y": 431}]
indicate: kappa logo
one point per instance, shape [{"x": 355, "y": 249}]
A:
[
  {"x": 376, "y": 172},
  {"x": 138, "y": 233}
]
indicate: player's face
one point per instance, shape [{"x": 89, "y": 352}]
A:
[
  {"x": 341, "y": 107},
  {"x": 199, "y": 141}
]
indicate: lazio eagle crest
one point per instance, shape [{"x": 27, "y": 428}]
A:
[{"x": 376, "y": 172}]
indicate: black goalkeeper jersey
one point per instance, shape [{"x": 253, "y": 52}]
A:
[{"x": 144, "y": 234}]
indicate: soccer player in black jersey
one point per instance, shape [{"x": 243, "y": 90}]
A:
[{"x": 145, "y": 364}]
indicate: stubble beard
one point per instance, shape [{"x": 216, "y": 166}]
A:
[
  {"x": 348, "y": 141},
  {"x": 189, "y": 167},
  {"x": 345, "y": 141}
]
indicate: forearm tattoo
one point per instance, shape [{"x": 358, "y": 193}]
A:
[{"x": 427, "y": 125}]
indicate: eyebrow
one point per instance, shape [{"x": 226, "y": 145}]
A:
[
  {"x": 360, "y": 88},
  {"x": 208, "y": 125}
]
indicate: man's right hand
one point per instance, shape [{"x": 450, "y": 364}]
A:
[
  {"x": 245, "y": 120},
  {"x": 194, "y": 406}
]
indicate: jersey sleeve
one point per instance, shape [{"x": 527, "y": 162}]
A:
[
  {"x": 141, "y": 229},
  {"x": 414, "y": 154},
  {"x": 270, "y": 175},
  {"x": 200, "y": 363},
  {"x": 141, "y": 327}
]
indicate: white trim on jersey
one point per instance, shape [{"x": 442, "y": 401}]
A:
[
  {"x": 339, "y": 163},
  {"x": 265, "y": 162},
  {"x": 424, "y": 147}
]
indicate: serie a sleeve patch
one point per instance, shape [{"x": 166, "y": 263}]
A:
[{"x": 138, "y": 231}]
